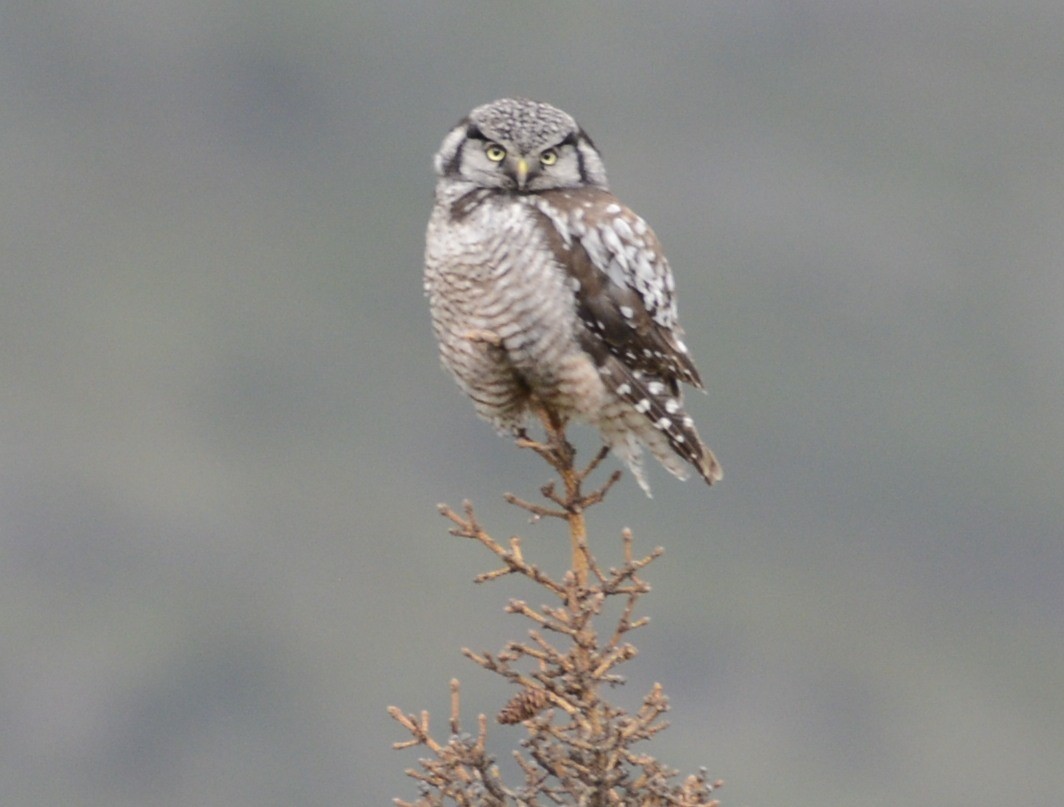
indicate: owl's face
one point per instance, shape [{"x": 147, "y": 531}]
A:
[{"x": 519, "y": 146}]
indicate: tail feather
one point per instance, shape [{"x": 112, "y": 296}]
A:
[{"x": 660, "y": 406}]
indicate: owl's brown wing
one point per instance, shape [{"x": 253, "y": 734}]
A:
[
  {"x": 624, "y": 287},
  {"x": 623, "y": 291}
]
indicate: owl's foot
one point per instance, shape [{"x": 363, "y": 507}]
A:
[{"x": 483, "y": 337}]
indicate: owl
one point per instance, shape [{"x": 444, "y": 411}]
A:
[{"x": 546, "y": 291}]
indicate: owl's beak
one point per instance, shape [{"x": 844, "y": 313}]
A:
[{"x": 521, "y": 172}]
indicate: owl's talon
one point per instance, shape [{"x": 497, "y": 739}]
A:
[{"x": 483, "y": 337}]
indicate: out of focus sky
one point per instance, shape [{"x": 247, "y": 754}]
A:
[{"x": 224, "y": 429}]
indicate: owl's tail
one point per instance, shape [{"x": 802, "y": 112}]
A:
[{"x": 651, "y": 411}]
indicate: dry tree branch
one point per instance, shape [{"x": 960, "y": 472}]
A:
[{"x": 579, "y": 748}]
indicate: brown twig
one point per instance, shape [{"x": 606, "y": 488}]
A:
[{"x": 580, "y": 749}]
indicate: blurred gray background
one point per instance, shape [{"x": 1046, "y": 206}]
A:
[{"x": 224, "y": 429}]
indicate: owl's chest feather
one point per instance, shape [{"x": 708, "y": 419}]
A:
[
  {"x": 497, "y": 265},
  {"x": 495, "y": 270}
]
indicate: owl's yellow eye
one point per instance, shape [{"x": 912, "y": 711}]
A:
[
  {"x": 495, "y": 152},
  {"x": 548, "y": 157}
]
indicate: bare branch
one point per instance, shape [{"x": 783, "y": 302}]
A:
[{"x": 578, "y": 748}]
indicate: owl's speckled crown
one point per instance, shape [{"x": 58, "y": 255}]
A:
[{"x": 525, "y": 123}]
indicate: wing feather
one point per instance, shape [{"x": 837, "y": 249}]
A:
[{"x": 625, "y": 291}]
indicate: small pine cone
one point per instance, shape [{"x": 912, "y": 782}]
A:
[{"x": 524, "y": 705}]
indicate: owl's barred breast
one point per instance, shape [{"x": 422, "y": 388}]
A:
[{"x": 491, "y": 274}]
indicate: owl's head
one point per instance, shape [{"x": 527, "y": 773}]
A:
[{"x": 521, "y": 146}]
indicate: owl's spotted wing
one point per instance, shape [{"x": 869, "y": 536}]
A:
[{"x": 625, "y": 295}]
